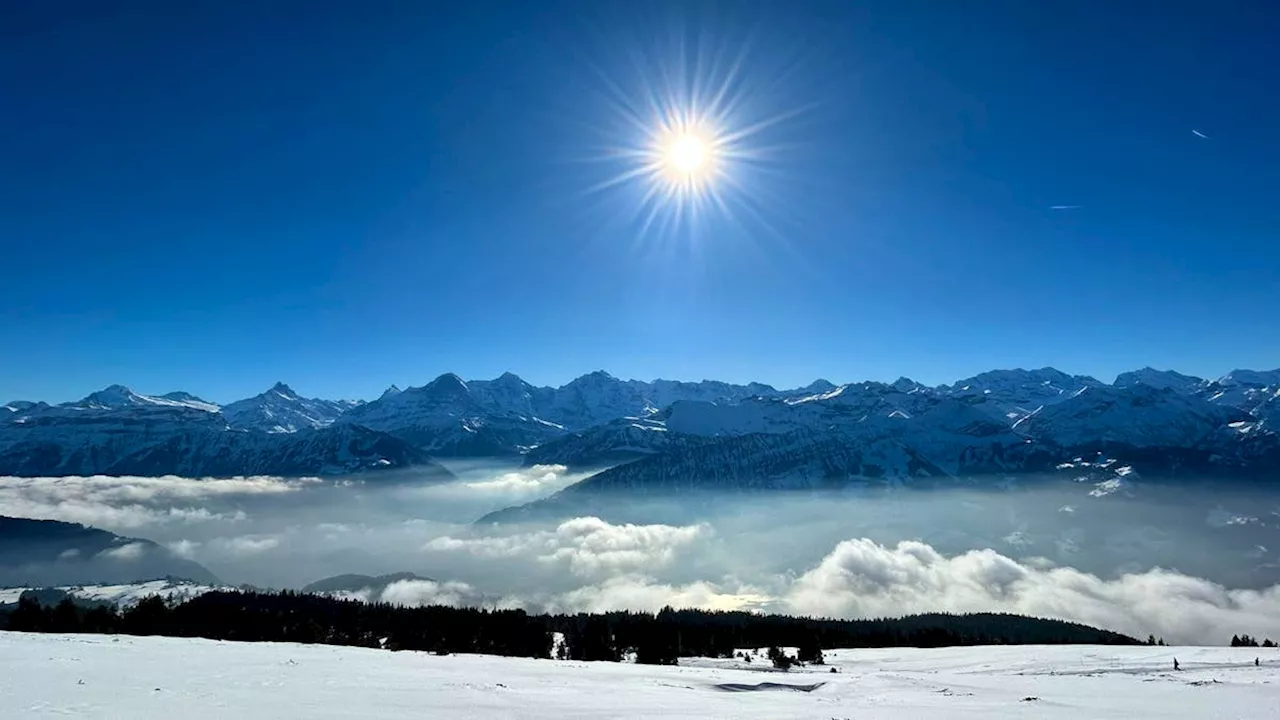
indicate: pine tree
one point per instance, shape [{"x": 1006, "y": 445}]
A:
[
  {"x": 30, "y": 616},
  {"x": 810, "y": 651},
  {"x": 65, "y": 618}
]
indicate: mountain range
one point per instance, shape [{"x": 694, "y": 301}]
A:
[{"x": 675, "y": 434}]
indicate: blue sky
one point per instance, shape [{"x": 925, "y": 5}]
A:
[{"x": 215, "y": 196}]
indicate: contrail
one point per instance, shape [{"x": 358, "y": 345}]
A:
[
  {"x": 1065, "y": 207},
  {"x": 1199, "y": 134}
]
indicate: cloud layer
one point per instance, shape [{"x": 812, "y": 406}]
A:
[
  {"x": 861, "y": 578},
  {"x": 913, "y": 552},
  {"x": 133, "y": 502},
  {"x": 586, "y": 546}
]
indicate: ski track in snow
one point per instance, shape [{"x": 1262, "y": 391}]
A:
[{"x": 93, "y": 676}]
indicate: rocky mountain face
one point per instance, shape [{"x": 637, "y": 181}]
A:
[
  {"x": 281, "y": 410},
  {"x": 997, "y": 425},
  {"x": 39, "y": 553},
  {"x": 1002, "y": 421},
  {"x": 119, "y": 432}
]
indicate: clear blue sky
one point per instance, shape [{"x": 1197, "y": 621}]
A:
[{"x": 213, "y": 196}]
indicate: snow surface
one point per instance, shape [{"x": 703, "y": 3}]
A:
[
  {"x": 151, "y": 677},
  {"x": 124, "y": 595}
]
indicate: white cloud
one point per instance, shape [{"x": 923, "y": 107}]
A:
[
  {"x": 861, "y": 578},
  {"x": 586, "y": 546},
  {"x": 128, "y": 552},
  {"x": 132, "y": 502},
  {"x": 536, "y": 480},
  {"x": 430, "y": 592},
  {"x": 638, "y": 593},
  {"x": 184, "y": 548},
  {"x": 245, "y": 545}
]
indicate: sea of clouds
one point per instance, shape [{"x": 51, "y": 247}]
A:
[{"x": 936, "y": 551}]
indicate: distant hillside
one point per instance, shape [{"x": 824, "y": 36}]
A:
[
  {"x": 40, "y": 553},
  {"x": 356, "y": 583}
]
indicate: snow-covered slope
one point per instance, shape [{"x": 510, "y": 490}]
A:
[
  {"x": 1162, "y": 379},
  {"x": 1249, "y": 390},
  {"x": 1139, "y": 416},
  {"x": 1014, "y": 394},
  {"x": 446, "y": 418},
  {"x": 159, "y": 677},
  {"x": 119, "y": 397},
  {"x": 122, "y": 595},
  {"x": 19, "y": 408},
  {"x": 280, "y": 409},
  {"x": 619, "y": 441}
]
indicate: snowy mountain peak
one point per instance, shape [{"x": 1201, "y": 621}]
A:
[
  {"x": 190, "y": 400},
  {"x": 448, "y": 383},
  {"x": 391, "y": 391},
  {"x": 1139, "y": 416},
  {"x": 1160, "y": 379},
  {"x": 280, "y": 409},
  {"x": 906, "y": 384},
  {"x": 595, "y": 377},
  {"x": 119, "y": 397},
  {"x": 821, "y": 385},
  {"x": 112, "y": 397},
  {"x": 1251, "y": 378}
]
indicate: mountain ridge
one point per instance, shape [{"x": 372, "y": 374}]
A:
[{"x": 598, "y": 420}]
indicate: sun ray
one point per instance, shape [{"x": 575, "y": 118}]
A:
[{"x": 689, "y": 123}]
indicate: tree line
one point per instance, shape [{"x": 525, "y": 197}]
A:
[
  {"x": 1247, "y": 641},
  {"x": 654, "y": 638}
]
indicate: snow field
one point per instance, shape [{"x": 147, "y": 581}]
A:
[{"x": 91, "y": 676}]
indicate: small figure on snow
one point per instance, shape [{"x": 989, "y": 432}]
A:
[
  {"x": 1256, "y": 663},
  {"x": 1175, "y": 664}
]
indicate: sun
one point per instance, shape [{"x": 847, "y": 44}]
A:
[
  {"x": 695, "y": 133},
  {"x": 687, "y": 156}
]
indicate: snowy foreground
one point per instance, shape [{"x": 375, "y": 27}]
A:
[{"x": 132, "y": 677}]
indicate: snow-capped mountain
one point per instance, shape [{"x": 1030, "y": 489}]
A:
[
  {"x": 904, "y": 432},
  {"x": 119, "y": 432},
  {"x": 1250, "y": 390},
  {"x": 1171, "y": 379},
  {"x": 448, "y": 418},
  {"x": 22, "y": 406},
  {"x": 614, "y": 442},
  {"x": 1138, "y": 416},
  {"x": 1014, "y": 394},
  {"x": 998, "y": 421},
  {"x": 281, "y": 410},
  {"x": 119, "y": 397},
  {"x": 506, "y": 415}
]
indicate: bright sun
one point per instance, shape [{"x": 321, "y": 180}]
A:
[{"x": 686, "y": 156}]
